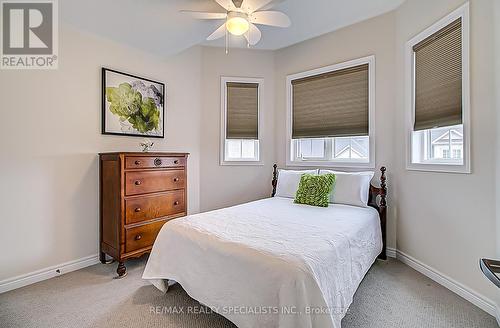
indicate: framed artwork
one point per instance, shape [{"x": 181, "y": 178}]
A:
[{"x": 132, "y": 105}]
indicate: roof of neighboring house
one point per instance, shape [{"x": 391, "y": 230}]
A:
[
  {"x": 443, "y": 138},
  {"x": 346, "y": 148}
]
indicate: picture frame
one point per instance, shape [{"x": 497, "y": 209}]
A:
[{"x": 132, "y": 105}]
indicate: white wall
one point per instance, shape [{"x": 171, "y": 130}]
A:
[
  {"x": 497, "y": 87},
  {"x": 50, "y": 138},
  {"x": 496, "y": 18},
  {"x": 372, "y": 37},
  {"x": 229, "y": 185},
  {"x": 447, "y": 221}
]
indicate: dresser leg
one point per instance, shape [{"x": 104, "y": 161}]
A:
[
  {"x": 102, "y": 257},
  {"x": 121, "y": 270}
]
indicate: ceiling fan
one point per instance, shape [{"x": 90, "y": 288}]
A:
[{"x": 241, "y": 17}]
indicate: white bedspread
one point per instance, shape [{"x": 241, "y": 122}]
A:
[{"x": 270, "y": 263}]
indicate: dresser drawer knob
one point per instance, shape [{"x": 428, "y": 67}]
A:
[
  {"x": 138, "y": 209},
  {"x": 157, "y": 161},
  {"x": 137, "y": 182},
  {"x": 176, "y": 179},
  {"x": 138, "y": 237},
  {"x": 137, "y": 162},
  {"x": 176, "y": 161},
  {"x": 176, "y": 203}
]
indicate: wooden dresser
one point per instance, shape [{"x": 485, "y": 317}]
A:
[{"x": 139, "y": 192}]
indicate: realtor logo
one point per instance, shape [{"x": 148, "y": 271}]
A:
[{"x": 29, "y": 34}]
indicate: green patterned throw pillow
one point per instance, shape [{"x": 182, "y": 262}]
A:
[{"x": 315, "y": 189}]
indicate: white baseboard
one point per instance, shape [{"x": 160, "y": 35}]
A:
[
  {"x": 390, "y": 252},
  {"x": 47, "y": 273},
  {"x": 478, "y": 300}
]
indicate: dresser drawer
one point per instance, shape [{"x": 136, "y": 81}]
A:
[
  {"x": 142, "y": 182},
  {"x": 148, "y": 162},
  {"x": 142, "y": 236},
  {"x": 144, "y": 208}
]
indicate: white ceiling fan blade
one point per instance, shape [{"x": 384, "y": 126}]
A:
[
  {"x": 226, "y": 4},
  {"x": 272, "y": 4},
  {"x": 253, "y": 35},
  {"x": 249, "y": 6},
  {"x": 272, "y": 18},
  {"x": 204, "y": 15},
  {"x": 218, "y": 33}
]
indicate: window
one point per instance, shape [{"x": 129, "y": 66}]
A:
[
  {"x": 240, "y": 121},
  {"x": 349, "y": 149},
  {"x": 438, "y": 96},
  {"x": 439, "y": 145},
  {"x": 330, "y": 115},
  {"x": 311, "y": 148},
  {"x": 241, "y": 150}
]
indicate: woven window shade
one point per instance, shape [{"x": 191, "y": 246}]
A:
[
  {"x": 242, "y": 110},
  {"x": 438, "y": 78},
  {"x": 333, "y": 104}
]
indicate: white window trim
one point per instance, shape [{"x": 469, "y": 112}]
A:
[
  {"x": 462, "y": 12},
  {"x": 223, "y": 101},
  {"x": 335, "y": 163}
]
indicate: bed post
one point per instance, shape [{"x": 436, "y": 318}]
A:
[
  {"x": 275, "y": 179},
  {"x": 383, "y": 211}
]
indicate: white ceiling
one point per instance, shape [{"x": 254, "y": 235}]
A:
[{"x": 157, "y": 26}]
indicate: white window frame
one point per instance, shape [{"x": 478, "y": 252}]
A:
[
  {"x": 334, "y": 163},
  {"x": 327, "y": 146},
  {"x": 242, "y": 159},
  {"x": 463, "y": 13},
  {"x": 258, "y": 144}
]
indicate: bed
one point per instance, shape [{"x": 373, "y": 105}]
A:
[{"x": 273, "y": 263}]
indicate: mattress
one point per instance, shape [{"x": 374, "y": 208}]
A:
[{"x": 270, "y": 263}]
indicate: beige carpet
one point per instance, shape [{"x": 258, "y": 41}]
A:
[{"x": 392, "y": 295}]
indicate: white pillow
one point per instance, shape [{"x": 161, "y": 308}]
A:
[
  {"x": 351, "y": 188},
  {"x": 288, "y": 182}
]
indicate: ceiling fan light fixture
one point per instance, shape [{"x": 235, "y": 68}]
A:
[
  {"x": 237, "y": 23},
  {"x": 241, "y": 18}
]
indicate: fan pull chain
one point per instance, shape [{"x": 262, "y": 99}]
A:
[{"x": 227, "y": 40}]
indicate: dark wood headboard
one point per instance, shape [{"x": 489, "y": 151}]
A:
[{"x": 377, "y": 199}]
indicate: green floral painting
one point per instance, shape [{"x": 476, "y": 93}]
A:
[{"x": 132, "y": 105}]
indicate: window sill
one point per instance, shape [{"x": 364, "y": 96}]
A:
[{"x": 442, "y": 168}]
